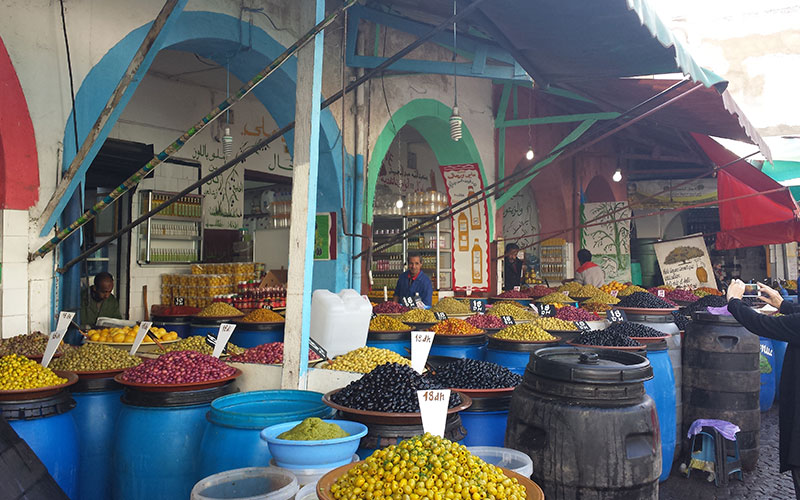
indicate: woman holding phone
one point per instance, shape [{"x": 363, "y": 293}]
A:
[{"x": 787, "y": 329}]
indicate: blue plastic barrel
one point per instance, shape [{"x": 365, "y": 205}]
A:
[
  {"x": 767, "y": 366},
  {"x": 231, "y": 439},
  {"x": 179, "y": 325},
  {"x": 204, "y": 327},
  {"x": 780, "y": 353},
  {"x": 456, "y": 346},
  {"x": 399, "y": 342},
  {"x": 157, "y": 451},
  {"x": 511, "y": 354},
  {"x": 96, "y": 410},
  {"x": 252, "y": 334},
  {"x": 485, "y": 421},
  {"x": 661, "y": 388},
  {"x": 48, "y": 427}
]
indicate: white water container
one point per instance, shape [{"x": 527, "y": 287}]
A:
[{"x": 339, "y": 322}]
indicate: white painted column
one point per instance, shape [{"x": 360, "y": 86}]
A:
[
  {"x": 14, "y": 277},
  {"x": 304, "y": 200}
]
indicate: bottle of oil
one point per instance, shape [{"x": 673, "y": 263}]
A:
[
  {"x": 463, "y": 233},
  {"x": 474, "y": 212},
  {"x": 477, "y": 262}
]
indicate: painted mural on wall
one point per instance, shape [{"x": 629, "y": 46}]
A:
[
  {"x": 610, "y": 242},
  {"x": 650, "y": 194},
  {"x": 520, "y": 217},
  {"x": 470, "y": 233},
  {"x": 224, "y": 195},
  {"x": 685, "y": 262},
  {"x": 406, "y": 168}
]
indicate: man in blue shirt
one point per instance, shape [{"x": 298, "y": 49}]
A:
[{"x": 414, "y": 282}]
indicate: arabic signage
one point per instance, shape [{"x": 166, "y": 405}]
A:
[
  {"x": 610, "y": 243},
  {"x": 685, "y": 263},
  {"x": 521, "y": 217},
  {"x": 470, "y": 231},
  {"x": 645, "y": 194}
]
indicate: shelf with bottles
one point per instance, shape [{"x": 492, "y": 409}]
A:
[
  {"x": 168, "y": 256},
  {"x": 553, "y": 259},
  {"x": 162, "y": 230},
  {"x": 181, "y": 223},
  {"x": 188, "y": 207}
]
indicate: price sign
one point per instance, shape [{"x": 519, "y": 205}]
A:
[
  {"x": 433, "y": 406},
  {"x": 223, "y": 335},
  {"x": 179, "y": 301},
  {"x": 533, "y": 306},
  {"x": 469, "y": 291},
  {"x": 661, "y": 293},
  {"x": 418, "y": 303},
  {"x": 616, "y": 315},
  {"x": 408, "y": 302},
  {"x": 477, "y": 306},
  {"x": 318, "y": 349},
  {"x": 212, "y": 341},
  {"x": 144, "y": 327},
  {"x": 583, "y": 326},
  {"x": 266, "y": 305},
  {"x": 516, "y": 288},
  {"x": 614, "y": 293},
  {"x": 440, "y": 316},
  {"x": 508, "y": 320},
  {"x": 547, "y": 310},
  {"x": 64, "y": 319},
  {"x": 420, "y": 348},
  {"x": 385, "y": 295},
  {"x": 373, "y": 315}
]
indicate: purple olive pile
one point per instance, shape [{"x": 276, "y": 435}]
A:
[
  {"x": 474, "y": 374},
  {"x": 645, "y": 300},
  {"x": 179, "y": 367}
]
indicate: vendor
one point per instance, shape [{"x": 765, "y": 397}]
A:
[
  {"x": 414, "y": 282},
  {"x": 99, "y": 300},
  {"x": 513, "y": 267},
  {"x": 589, "y": 273}
]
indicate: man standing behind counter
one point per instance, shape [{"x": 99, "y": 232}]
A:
[
  {"x": 414, "y": 282},
  {"x": 99, "y": 300}
]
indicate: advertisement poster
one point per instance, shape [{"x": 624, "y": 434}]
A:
[
  {"x": 470, "y": 228},
  {"x": 610, "y": 243},
  {"x": 645, "y": 194},
  {"x": 520, "y": 217},
  {"x": 325, "y": 236},
  {"x": 684, "y": 262}
]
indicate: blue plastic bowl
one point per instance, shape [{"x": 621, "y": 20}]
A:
[{"x": 328, "y": 453}]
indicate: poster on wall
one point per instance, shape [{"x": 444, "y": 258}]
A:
[
  {"x": 325, "y": 236},
  {"x": 685, "y": 262},
  {"x": 671, "y": 193},
  {"x": 609, "y": 242},
  {"x": 470, "y": 233},
  {"x": 520, "y": 217}
]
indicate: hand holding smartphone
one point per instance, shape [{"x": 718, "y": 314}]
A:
[{"x": 751, "y": 290}]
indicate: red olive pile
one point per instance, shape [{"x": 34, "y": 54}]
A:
[
  {"x": 570, "y": 313},
  {"x": 178, "y": 367},
  {"x": 389, "y": 307},
  {"x": 513, "y": 294},
  {"x": 486, "y": 321},
  {"x": 266, "y": 354}
]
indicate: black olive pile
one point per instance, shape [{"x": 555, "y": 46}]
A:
[
  {"x": 703, "y": 303},
  {"x": 645, "y": 300},
  {"x": 388, "y": 388},
  {"x": 607, "y": 337},
  {"x": 475, "y": 374},
  {"x": 634, "y": 329},
  {"x": 681, "y": 321}
]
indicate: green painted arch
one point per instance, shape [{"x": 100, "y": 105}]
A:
[{"x": 431, "y": 119}]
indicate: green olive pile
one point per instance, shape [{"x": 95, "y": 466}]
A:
[
  {"x": 19, "y": 373},
  {"x": 30, "y": 345},
  {"x": 95, "y": 358},
  {"x": 198, "y": 343},
  {"x": 426, "y": 467},
  {"x": 527, "y": 332},
  {"x": 382, "y": 323},
  {"x": 554, "y": 324},
  {"x": 450, "y": 306},
  {"x": 418, "y": 316},
  {"x": 555, "y": 298},
  {"x": 365, "y": 359},
  {"x": 516, "y": 312}
]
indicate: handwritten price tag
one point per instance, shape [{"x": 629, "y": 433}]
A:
[
  {"x": 477, "y": 306},
  {"x": 420, "y": 348},
  {"x": 223, "y": 335},
  {"x": 179, "y": 301},
  {"x": 64, "y": 319},
  {"x": 661, "y": 293},
  {"x": 616, "y": 316},
  {"x": 547, "y": 310},
  {"x": 433, "y": 406},
  {"x": 508, "y": 320},
  {"x": 516, "y": 288},
  {"x": 614, "y": 293},
  {"x": 385, "y": 295},
  {"x": 144, "y": 327},
  {"x": 440, "y": 316},
  {"x": 408, "y": 302},
  {"x": 583, "y": 326}
]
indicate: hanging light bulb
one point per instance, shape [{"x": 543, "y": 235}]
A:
[
  {"x": 399, "y": 203},
  {"x": 617, "y": 176},
  {"x": 455, "y": 119},
  {"x": 227, "y": 143},
  {"x": 529, "y": 154},
  {"x": 455, "y": 125}
]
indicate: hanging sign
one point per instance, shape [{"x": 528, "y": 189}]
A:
[
  {"x": 420, "y": 348},
  {"x": 64, "y": 319},
  {"x": 433, "y": 407},
  {"x": 144, "y": 327},
  {"x": 470, "y": 228},
  {"x": 685, "y": 263}
]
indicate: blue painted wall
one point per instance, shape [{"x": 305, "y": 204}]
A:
[{"x": 216, "y": 36}]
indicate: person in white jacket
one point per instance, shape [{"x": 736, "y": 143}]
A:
[{"x": 589, "y": 273}]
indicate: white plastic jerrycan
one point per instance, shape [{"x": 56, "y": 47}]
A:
[{"x": 340, "y": 322}]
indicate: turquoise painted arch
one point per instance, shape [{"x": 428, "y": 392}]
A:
[{"x": 431, "y": 119}]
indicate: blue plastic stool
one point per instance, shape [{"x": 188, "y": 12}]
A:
[{"x": 716, "y": 455}]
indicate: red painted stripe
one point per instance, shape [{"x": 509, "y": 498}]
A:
[{"x": 19, "y": 164}]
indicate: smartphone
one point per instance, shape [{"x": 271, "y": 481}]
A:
[{"x": 751, "y": 290}]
